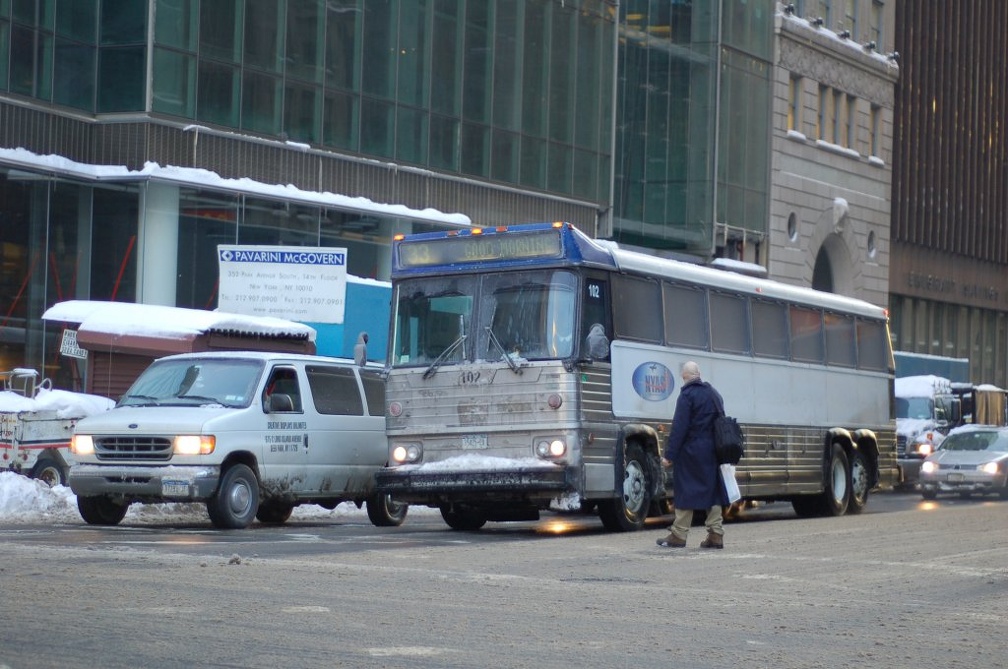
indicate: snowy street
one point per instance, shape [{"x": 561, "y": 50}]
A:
[{"x": 164, "y": 589}]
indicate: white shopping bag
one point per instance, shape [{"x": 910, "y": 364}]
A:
[{"x": 730, "y": 484}]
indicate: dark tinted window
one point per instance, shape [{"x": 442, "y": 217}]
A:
[
  {"x": 806, "y": 335},
  {"x": 637, "y": 308},
  {"x": 374, "y": 393},
  {"x": 335, "y": 390},
  {"x": 873, "y": 349},
  {"x": 685, "y": 316},
  {"x": 769, "y": 327},
  {"x": 729, "y": 323},
  {"x": 839, "y": 340}
]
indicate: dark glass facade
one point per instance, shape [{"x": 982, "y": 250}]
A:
[
  {"x": 507, "y": 110},
  {"x": 693, "y": 122}
]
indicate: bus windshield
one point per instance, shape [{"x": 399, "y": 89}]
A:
[{"x": 524, "y": 315}]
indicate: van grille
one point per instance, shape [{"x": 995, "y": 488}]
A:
[
  {"x": 901, "y": 442},
  {"x": 133, "y": 448}
]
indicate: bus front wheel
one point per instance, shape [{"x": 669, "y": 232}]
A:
[{"x": 627, "y": 512}]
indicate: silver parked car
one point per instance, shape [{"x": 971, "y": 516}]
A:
[{"x": 973, "y": 460}]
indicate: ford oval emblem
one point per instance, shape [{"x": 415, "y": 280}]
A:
[
  {"x": 653, "y": 381},
  {"x": 132, "y": 426}
]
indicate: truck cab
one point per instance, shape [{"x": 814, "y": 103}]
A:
[
  {"x": 926, "y": 409},
  {"x": 250, "y": 434}
]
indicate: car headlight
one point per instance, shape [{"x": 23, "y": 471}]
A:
[
  {"x": 194, "y": 444},
  {"x": 929, "y": 467},
  {"x": 989, "y": 468},
  {"x": 405, "y": 454},
  {"x": 81, "y": 444}
]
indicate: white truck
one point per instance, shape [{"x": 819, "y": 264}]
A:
[
  {"x": 251, "y": 434},
  {"x": 926, "y": 409},
  {"x": 36, "y": 423}
]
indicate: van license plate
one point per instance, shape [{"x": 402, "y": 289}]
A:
[
  {"x": 474, "y": 441},
  {"x": 174, "y": 488}
]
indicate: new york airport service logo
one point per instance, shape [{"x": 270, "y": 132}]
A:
[{"x": 653, "y": 381}]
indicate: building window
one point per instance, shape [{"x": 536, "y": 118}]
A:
[
  {"x": 851, "y": 129},
  {"x": 850, "y": 18},
  {"x": 876, "y": 122},
  {"x": 824, "y": 111},
  {"x": 836, "y": 116},
  {"x": 794, "y": 103},
  {"x": 875, "y": 28}
]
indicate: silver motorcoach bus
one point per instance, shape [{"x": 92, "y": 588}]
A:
[{"x": 531, "y": 367}]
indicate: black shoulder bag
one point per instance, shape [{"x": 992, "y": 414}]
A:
[{"x": 729, "y": 441}]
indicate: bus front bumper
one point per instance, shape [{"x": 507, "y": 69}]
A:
[{"x": 440, "y": 487}]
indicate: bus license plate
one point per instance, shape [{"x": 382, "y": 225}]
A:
[
  {"x": 171, "y": 488},
  {"x": 474, "y": 441}
]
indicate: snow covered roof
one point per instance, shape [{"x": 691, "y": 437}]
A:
[
  {"x": 66, "y": 404},
  {"x": 155, "y": 321}
]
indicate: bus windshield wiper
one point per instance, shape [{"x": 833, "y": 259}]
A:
[
  {"x": 444, "y": 354},
  {"x": 504, "y": 354}
]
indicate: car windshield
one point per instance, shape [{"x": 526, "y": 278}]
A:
[
  {"x": 228, "y": 382},
  {"x": 979, "y": 440}
]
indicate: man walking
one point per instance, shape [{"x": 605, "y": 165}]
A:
[{"x": 696, "y": 480}]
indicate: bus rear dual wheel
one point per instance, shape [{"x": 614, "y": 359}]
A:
[{"x": 847, "y": 483}]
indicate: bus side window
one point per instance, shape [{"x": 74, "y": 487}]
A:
[{"x": 595, "y": 311}]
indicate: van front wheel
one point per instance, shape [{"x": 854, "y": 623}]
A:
[
  {"x": 101, "y": 510},
  {"x": 236, "y": 501}
]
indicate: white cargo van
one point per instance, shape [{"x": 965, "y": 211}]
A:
[{"x": 250, "y": 434}]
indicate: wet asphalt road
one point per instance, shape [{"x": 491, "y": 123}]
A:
[{"x": 908, "y": 583}]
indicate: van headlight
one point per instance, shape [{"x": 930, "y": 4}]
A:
[
  {"x": 194, "y": 444},
  {"x": 81, "y": 444}
]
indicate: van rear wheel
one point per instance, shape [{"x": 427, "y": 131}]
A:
[
  {"x": 236, "y": 501},
  {"x": 274, "y": 513}
]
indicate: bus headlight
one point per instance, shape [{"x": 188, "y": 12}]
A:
[
  {"x": 81, "y": 444},
  {"x": 405, "y": 454},
  {"x": 550, "y": 448},
  {"x": 194, "y": 444}
]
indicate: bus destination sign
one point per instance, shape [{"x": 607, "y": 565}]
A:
[{"x": 479, "y": 248}]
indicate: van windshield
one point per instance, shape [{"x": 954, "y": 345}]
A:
[{"x": 229, "y": 382}]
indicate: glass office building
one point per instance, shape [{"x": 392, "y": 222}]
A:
[{"x": 137, "y": 135}]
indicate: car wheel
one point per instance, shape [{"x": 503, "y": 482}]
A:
[
  {"x": 101, "y": 510},
  {"x": 274, "y": 513},
  {"x": 463, "y": 519},
  {"x": 627, "y": 512},
  {"x": 49, "y": 471},
  {"x": 929, "y": 494},
  {"x": 383, "y": 511},
  {"x": 236, "y": 501},
  {"x": 859, "y": 483}
]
